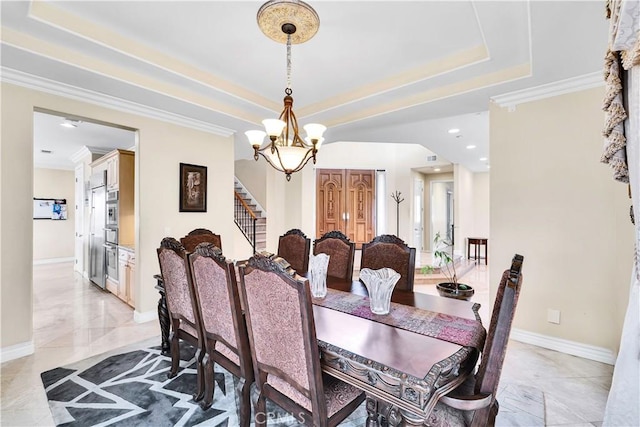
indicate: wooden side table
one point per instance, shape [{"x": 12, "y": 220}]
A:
[{"x": 477, "y": 242}]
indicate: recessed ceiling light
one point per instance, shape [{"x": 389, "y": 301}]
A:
[
  {"x": 483, "y": 159},
  {"x": 470, "y": 147},
  {"x": 436, "y": 169},
  {"x": 454, "y": 130}
]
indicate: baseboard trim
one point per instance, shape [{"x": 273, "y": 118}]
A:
[
  {"x": 147, "y": 316},
  {"x": 52, "y": 260},
  {"x": 16, "y": 351},
  {"x": 599, "y": 354}
]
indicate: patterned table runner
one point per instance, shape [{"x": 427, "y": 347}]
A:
[{"x": 457, "y": 330}]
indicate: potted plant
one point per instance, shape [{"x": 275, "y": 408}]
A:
[{"x": 443, "y": 252}]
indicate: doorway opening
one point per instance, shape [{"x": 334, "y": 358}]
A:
[
  {"x": 442, "y": 210},
  {"x": 63, "y": 147}
]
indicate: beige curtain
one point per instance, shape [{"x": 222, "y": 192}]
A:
[{"x": 622, "y": 152}]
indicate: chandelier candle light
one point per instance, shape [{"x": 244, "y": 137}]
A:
[{"x": 287, "y": 21}]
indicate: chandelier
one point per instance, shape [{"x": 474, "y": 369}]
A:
[{"x": 290, "y": 22}]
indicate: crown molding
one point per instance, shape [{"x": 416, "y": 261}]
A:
[
  {"x": 31, "y": 81},
  {"x": 561, "y": 87},
  {"x": 86, "y": 151}
]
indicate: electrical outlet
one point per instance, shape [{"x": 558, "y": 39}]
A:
[{"x": 553, "y": 316}]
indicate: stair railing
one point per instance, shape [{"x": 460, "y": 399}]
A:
[{"x": 245, "y": 219}]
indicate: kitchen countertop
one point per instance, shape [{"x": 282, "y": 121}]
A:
[{"x": 129, "y": 248}]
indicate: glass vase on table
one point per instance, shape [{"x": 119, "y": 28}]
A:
[
  {"x": 318, "y": 265},
  {"x": 380, "y": 284}
]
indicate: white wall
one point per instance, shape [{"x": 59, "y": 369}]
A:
[
  {"x": 54, "y": 239},
  {"x": 464, "y": 209},
  {"x": 251, "y": 174},
  {"x": 481, "y": 204},
  {"x": 553, "y": 202}
]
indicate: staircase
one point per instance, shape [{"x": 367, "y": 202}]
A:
[{"x": 244, "y": 220}]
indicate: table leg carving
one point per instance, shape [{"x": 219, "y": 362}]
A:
[
  {"x": 411, "y": 419},
  {"x": 389, "y": 414},
  {"x": 372, "y": 410},
  {"x": 163, "y": 317}
]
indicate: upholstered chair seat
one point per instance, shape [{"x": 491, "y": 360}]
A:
[
  {"x": 225, "y": 340},
  {"x": 176, "y": 275},
  {"x": 337, "y": 394},
  {"x": 284, "y": 347}
]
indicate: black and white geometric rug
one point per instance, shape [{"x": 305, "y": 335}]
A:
[{"x": 132, "y": 389}]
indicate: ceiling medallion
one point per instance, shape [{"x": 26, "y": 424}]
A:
[
  {"x": 274, "y": 14},
  {"x": 287, "y": 21}
]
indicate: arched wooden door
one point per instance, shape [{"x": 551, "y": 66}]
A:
[{"x": 345, "y": 201}]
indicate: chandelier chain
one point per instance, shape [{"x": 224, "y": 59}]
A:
[{"x": 289, "y": 63}]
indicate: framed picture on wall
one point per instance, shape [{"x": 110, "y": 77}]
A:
[{"x": 193, "y": 188}]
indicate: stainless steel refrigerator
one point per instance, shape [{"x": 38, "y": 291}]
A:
[{"x": 97, "y": 272}]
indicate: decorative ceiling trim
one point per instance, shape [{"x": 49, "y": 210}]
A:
[
  {"x": 91, "y": 31},
  {"x": 561, "y": 87},
  {"x": 30, "y": 81},
  {"x": 75, "y": 59},
  {"x": 86, "y": 151},
  {"x": 476, "y": 83},
  {"x": 453, "y": 62}
]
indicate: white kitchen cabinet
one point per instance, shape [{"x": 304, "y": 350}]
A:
[
  {"x": 113, "y": 172},
  {"x": 120, "y": 167},
  {"x": 131, "y": 280},
  {"x": 127, "y": 266}
]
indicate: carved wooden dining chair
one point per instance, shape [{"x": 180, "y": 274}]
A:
[
  {"x": 294, "y": 246},
  {"x": 284, "y": 348},
  {"x": 391, "y": 252},
  {"x": 341, "y": 253},
  {"x": 175, "y": 271},
  {"x": 219, "y": 312},
  {"x": 200, "y": 235},
  {"x": 474, "y": 402}
]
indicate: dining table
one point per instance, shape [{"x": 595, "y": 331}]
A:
[{"x": 404, "y": 361}]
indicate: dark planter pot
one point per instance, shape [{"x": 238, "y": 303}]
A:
[{"x": 448, "y": 290}]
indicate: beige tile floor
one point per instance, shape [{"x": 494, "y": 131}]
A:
[{"x": 74, "y": 320}]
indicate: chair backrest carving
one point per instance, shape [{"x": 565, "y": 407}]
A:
[
  {"x": 294, "y": 246},
  {"x": 495, "y": 346},
  {"x": 341, "y": 253},
  {"x": 282, "y": 336},
  {"x": 392, "y": 252},
  {"x": 174, "y": 268},
  {"x": 200, "y": 235}
]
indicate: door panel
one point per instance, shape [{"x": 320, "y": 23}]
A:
[
  {"x": 330, "y": 200},
  {"x": 360, "y": 206},
  {"x": 346, "y": 202}
]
